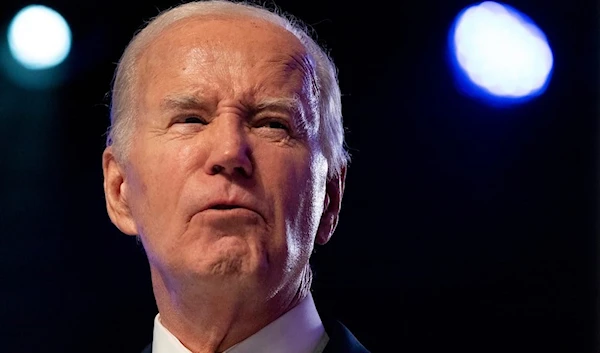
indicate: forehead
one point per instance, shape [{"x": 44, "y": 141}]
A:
[
  {"x": 230, "y": 55},
  {"x": 220, "y": 31}
]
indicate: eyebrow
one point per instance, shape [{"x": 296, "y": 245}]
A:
[
  {"x": 190, "y": 102},
  {"x": 182, "y": 103},
  {"x": 282, "y": 104},
  {"x": 292, "y": 106}
]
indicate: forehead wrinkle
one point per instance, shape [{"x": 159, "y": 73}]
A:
[
  {"x": 285, "y": 69},
  {"x": 291, "y": 69}
]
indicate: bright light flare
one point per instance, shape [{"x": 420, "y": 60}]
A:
[
  {"x": 39, "y": 37},
  {"x": 501, "y": 50}
]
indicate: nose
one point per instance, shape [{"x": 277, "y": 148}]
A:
[{"x": 230, "y": 153}]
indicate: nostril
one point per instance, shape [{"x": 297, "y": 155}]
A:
[
  {"x": 217, "y": 169},
  {"x": 242, "y": 171}
]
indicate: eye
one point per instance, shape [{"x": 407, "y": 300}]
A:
[
  {"x": 274, "y": 124},
  {"x": 194, "y": 120}
]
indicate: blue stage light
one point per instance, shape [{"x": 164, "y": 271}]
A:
[
  {"x": 499, "y": 53},
  {"x": 39, "y": 37}
]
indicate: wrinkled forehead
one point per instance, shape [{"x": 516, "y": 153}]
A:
[
  {"x": 213, "y": 38},
  {"x": 241, "y": 47},
  {"x": 227, "y": 55}
]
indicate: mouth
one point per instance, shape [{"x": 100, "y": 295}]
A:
[{"x": 224, "y": 207}]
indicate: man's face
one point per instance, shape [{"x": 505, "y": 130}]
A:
[{"x": 225, "y": 178}]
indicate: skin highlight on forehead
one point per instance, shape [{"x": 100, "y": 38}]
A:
[
  {"x": 223, "y": 38},
  {"x": 197, "y": 48}
]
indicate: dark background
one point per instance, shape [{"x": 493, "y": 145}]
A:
[{"x": 464, "y": 227}]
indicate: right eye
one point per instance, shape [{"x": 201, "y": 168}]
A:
[{"x": 194, "y": 120}]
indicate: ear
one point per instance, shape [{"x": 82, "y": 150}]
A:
[
  {"x": 115, "y": 192},
  {"x": 332, "y": 205}
]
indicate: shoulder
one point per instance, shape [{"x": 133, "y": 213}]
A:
[
  {"x": 341, "y": 340},
  {"x": 148, "y": 349}
]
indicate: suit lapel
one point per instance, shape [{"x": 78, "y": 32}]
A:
[
  {"x": 341, "y": 340},
  {"x": 148, "y": 349}
]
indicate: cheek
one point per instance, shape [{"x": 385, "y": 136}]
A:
[
  {"x": 303, "y": 195},
  {"x": 157, "y": 180}
]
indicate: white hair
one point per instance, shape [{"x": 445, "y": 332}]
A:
[{"x": 325, "y": 83}]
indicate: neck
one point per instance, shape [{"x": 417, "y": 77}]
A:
[{"x": 214, "y": 317}]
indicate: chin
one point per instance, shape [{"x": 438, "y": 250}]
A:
[
  {"x": 230, "y": 266},
  {"x": 235, "y": 261}
]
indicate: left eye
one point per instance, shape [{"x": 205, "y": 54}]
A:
[{"x": 273, "y": 124}]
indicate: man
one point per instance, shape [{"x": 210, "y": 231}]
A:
[{"x": 226, "y": 157}]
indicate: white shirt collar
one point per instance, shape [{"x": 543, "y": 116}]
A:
[{"x": 300, "y": 330}]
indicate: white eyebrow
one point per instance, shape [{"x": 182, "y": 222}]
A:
[
  {"x": 289, "y": 104},
  {"x": 182, "y": 102}
]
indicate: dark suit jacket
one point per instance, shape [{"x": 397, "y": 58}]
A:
[{"x": 341, "y": 340}]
